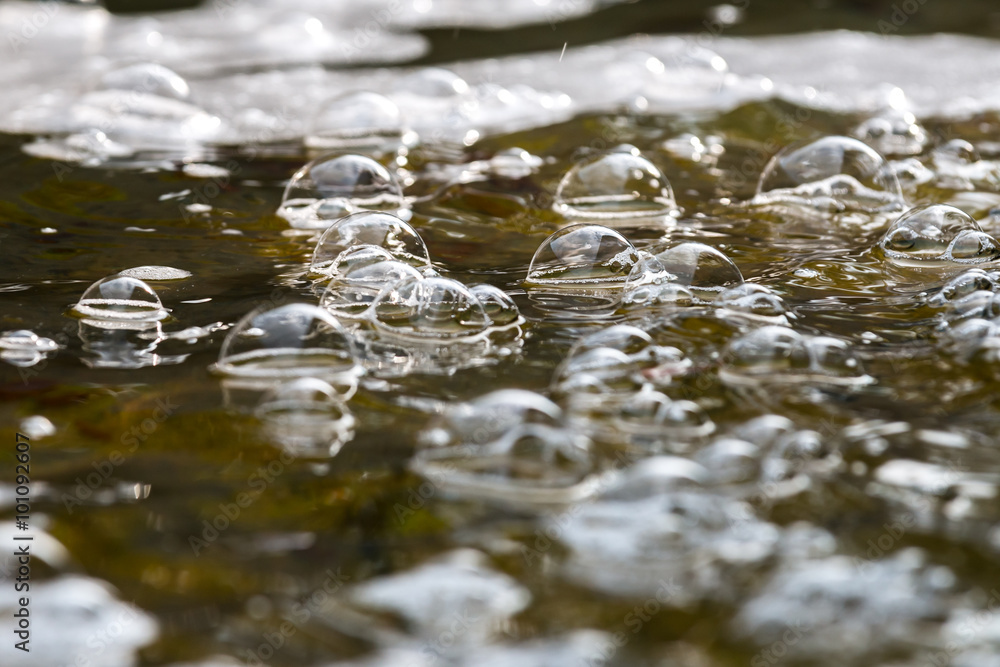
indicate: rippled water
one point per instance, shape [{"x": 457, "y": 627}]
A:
[{"x": 659, "y": 351}]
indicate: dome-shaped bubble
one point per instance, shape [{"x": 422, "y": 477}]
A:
[
  {"x": 351, "y": 294},
  {"x": 121, "y": 298},
  {"x": 354, "y": 257},
  {"x": 293, "y": 340},
  {"x": 966, "y": 283},
  {"x": 594, "y": 374},
  {"x": 429, "y": 308},
  {"x": 665, "y": 295},
  {"x": 698, "y": 265},
  {"x": 622, "y": 337},
  {"x": 779, "y": 354},
  {"x": 497, "y": 304},
  {"x": 307, "y": 416},
  {"x": 368, "y": 228},
  {"x": 751, "y": 299},
  {"x": 529, "y": 463},
  {"x": 488, "y": 417},
  {"x": 656, "y": 476},
  {"x": 433, "y": 82},
  {"x": 981, "y": 303},
  {"x": 331, "y": 187},
  {"x": 955, "y": 152},
  {"x": 357, "y": 119},
  {"x": 831, "y": 172},
  {"x": 644, "y": 416},
  {"x": 147, "y": 78},
  {"x": 893, "y": 132},
  {"x": 620, "y": 183},
  {"x": 730, "y": 460},
  {"x": 936, "y": 234},
  {"x": 583, "y": 256}
]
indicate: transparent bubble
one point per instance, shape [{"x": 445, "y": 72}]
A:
[
  {"x": 779, "y": 354},
  {"x": 659, "y": 296},
  {"x": 936, "y": 234},
  {"x": 307, "y": 416},
  {"x": 644, "y": 418},
  {"x": 698, "y": 265},
  {"x": 582, "y": 256},
  {"x": 499, "y": 307},
  {"x": 368, "y": 228},
  {"x": 955, "y": 152},
  {"x": 625, "y": 338},
  {"x": 488, "y": 417},
  {"x": 965, "y": 283},
  {"x": 121, "y": 298},
  {"x": 350, "y": 295},
  {"x": 433, "y": 82},
  {"x": 754, "y": 301},
  {"x": 148, "y": 78},
  {"x": 436, "y": 308},
  {"x": 25, "y": 348},
  {"x": 833, "y": 172},
  {"x": 592, "y": 375},
  {"x": 893, "y": 132},
  {"x": 528, "y": 464},
  {"x": 332, "y": 187},
  {"x": 357, "y": 120},
  {"x": 730, "y": 460},
  {"x": 620, "y": 183},
  {"x": 293, "y": 340},
  {"x": 354, "y": 257}
]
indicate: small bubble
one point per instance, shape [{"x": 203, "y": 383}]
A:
[
  {"x": 335, "y": 186},
  {"x": 293, "y": 340},
  {"x": 367, "y": 229},
  {"x": 148, "y": 78},
  {"x": 351, "y": 294},
  {"x": 582, "y": 256},
  {"x": 357, "y": 120},
  {"x": 497, "y": 305},
  {"x": 620, "y": 183},
  {"x": 121, "y": 297},
  {"x": 436, "y": 308}
]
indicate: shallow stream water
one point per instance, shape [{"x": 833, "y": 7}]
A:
[{"x": 750, "y": 325}]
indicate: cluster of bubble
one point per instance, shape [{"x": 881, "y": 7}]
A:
[
  {"x": 511, "y": 446},
  {"x": 24, "y": 348},
  {"x": 936, "y": 235},
  {"x": 610, "y": 384}
]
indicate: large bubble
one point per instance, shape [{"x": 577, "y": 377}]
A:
[
  {"x": 582, "y": 256},
  {"x": 332, "y": 187},
  {"x": 937, "y": 234},
  {"x": 367, "y": 228},
  {"x": 692, "y": 264},
  {"x": 436, "y": 308},
  {"x": 294, "y": 340},
  {"x": 835, "y": 173},
  {"x": 147, "y": 78},
  {"x": 358, "y": 120},
  {"x": 121, "y": 298},
  {"x": 618, "y": 184}
]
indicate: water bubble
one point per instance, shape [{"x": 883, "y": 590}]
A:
[
  {"x": 121, "y": 298},
  {"x": 620, "y": 183},
  {"x": 730, "y": 460},
  {"x": 936, "y": 234},
  {"x": 368, "y": 228},
  {"x": 488, "y": 417},
  {"x": 752, "y": 301},
  {"x": 332, "y": 187},
  {"x": 893, "y": 132},
  {"x": 307, "y": 417},
  {"x": 625, "y": 338},
  {"x": 955, "y": 152},
  {"x": 779, "y": 354},
  {"x": 647, "y": 418},
  {"x": 147, "y": 78},
  {"x": 293, "y": 340},
  {"x": 25, "y": 348},
  {"x": 436, "y": 308},
  {"x": 350, "y": 295},
  {"x": 582, "y": 256},
  {"x": 497, "y": 304},
  {"x": 695, "y": 265},
  {"x": 833, "y": 172},
  {"x": 965, "y": 283},
  {"x": 357, "y": 120},
  {"x": 433, "y": 83}
]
